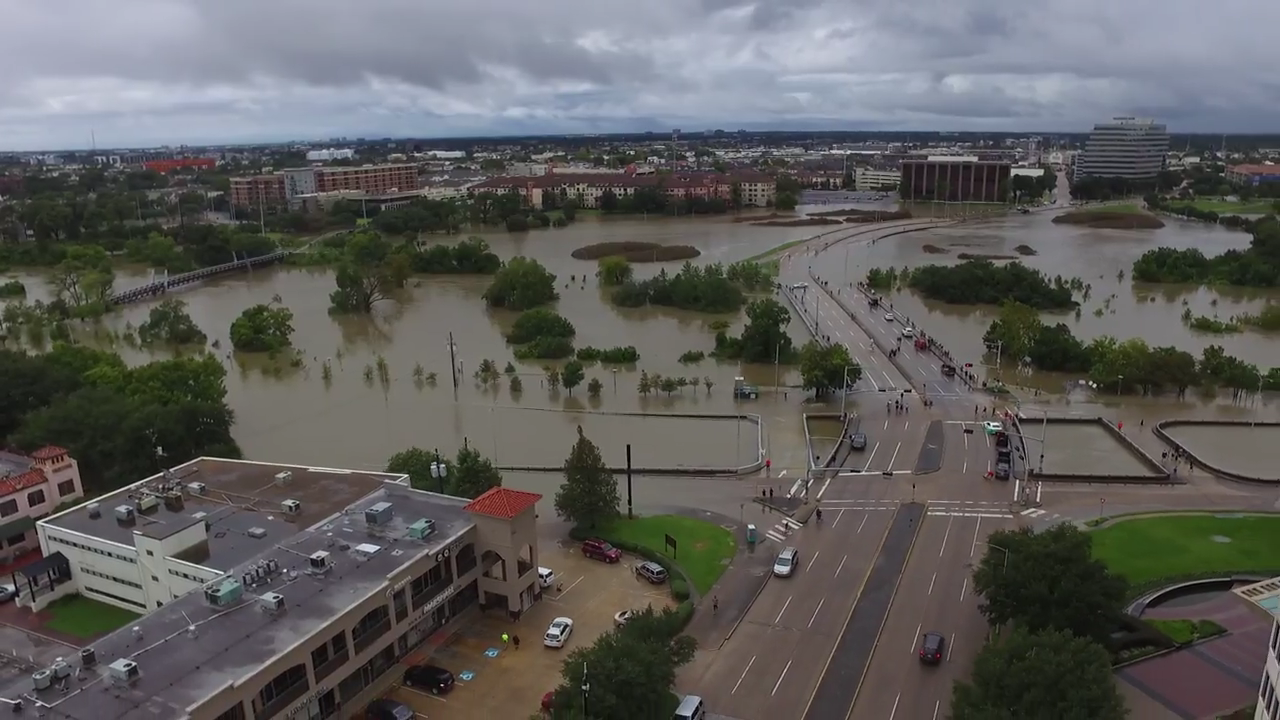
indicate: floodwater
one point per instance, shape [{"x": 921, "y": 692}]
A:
[
  {"x": 1080, "y": 448},
  {"x": 1247, "y": 450}
]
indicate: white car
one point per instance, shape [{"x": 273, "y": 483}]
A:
[
  {"x": 623, "y": 617},
  {"x": 992, "y": 427},
  {"x": 559, "y": 632},
  {"x": 888, "y": 316},
  {"x": 908, "y": 332}
]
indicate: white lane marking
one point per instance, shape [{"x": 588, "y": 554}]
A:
[
  {"x": 750, "y": 662},
  {"x": 895, "y": 455},
  {"x": 838, "y": 516},
  {"x": 785, "y": 605},
  {"x": 945, "y": 535},
  {"x": 964, "y": 470},
  {"x": 1033, "y": 512},
  {"x": 932, "y": 580},
  {"x": 864, "y": 522},
  {"x": 841, "y": 566},
  {"x": 906, "y": 425},
  {"x": 976, "y": 529},
  {"x": 566, "y": 590},
  {"x": 784, "y": 674},
  {"x": 774, "y": 536},
  {"x": 886, "y": 424},
  {"x": 938, "y": 703},
  {"x": 815, "y": 612},
  {"x": 894, "y": 711},
  {"x": 948, "y": 513},
  {"x": 964, "y": 587},
  {"x": 916, "y": 636},
  {"x": 950, "y": 646},
  {"x": 814, "y": 560},
  {"x": 871, "y": 457},
  {"x": 887, "y": 378}
]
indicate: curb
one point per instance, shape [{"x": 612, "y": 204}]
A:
[{"x": 740, "y": 620}]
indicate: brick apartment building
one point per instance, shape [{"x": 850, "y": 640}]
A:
[
  {"x": 266, "y": 191},
  {"x": 280, "y": 189},
  {"x": 30, "y": 488},
  {"x": 167, "y": 166},
  {"x": 757, "y": 189},
  {"x": 955, "y": 179}
]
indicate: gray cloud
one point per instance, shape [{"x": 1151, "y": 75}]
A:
[{"x": 149, "y": 71}]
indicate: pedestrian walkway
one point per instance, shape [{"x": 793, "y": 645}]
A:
[
  {"x": 1045, "y": 516},
  {"x": 782, "y": 530},
  {"x": 969, "y": 508}
]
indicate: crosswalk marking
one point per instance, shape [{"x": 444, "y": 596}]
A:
[
  {"x": 1033, "y": 512},
  {"x": 967, "y": 513}
]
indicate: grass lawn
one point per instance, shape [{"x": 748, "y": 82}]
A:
[
  {"x": 1186, "y": 631},
  {"x": 1226, "y": 207},
  {"x": 1147, "y": 549},
  {"x": 1122, "y": 208},
  {"x": 703, "y": 549},
  {"x": 84, "y": 618},
  {"x": 776, "y": 250}
]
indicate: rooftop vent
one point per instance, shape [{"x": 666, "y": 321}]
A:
[
  {"x": 125, "y": 671},
  {"x": 125, "y": 514},
  {"x": 61, "y": 670},
  {"x": 257, "y": 533},
  {"x": 224, "y": 592},
  {"x": 271, "y": 602},
  {"x": 283, "y": 478},
  {"x": 197, "y": 488},
  {"x": 319, "y": 562},
  {"x": 147, "y": 502},
  {"x": 367, "y": 550},
  {"x": 88, "y": 657},
  {"x": 291, "y": 506},
  {"x": 379, "y": 514},
  {"x": 422, "y": 529},
  {"x": 95, "y": 511},
  {"x": 42, "y": 679},
  {"x": 174, "y": 502}
]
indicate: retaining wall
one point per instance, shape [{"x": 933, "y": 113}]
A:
[
  {"x": 799, "y": 310},
  {"x": 849, "y": 419},
  {"x": 1158, "y": 474},
  {"x": 747, "y": 469},
  {"x": 1160, "y": 430}
]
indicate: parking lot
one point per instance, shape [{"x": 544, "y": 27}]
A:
[{"x": 499, "y": 681}]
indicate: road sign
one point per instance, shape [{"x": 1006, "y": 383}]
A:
[{"x": 671, "y": 543}]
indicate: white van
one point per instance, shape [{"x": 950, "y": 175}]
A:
[
  {"x": 691, "y": 708},
  {"x": 546, "y": 577}
]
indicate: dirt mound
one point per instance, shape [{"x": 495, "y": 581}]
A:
[{"x": 636, "y": 252}]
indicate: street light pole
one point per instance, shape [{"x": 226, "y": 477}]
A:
[
  {"x": 586, "y": 692},
  {"x": 1253, "y": 423},
  {"x": 1005, "y": 568},
  {"x": 1119, "y": 380},
  {"x": 615, "y": 381},
  {"x": 844, "y": 391}
]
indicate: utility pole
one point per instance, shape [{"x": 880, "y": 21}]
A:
[
  {"x": 453, "y": 363},
  {"x": 630, "y": 513}
]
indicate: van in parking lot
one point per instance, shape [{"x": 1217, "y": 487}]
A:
[
  {"x": 691, "y": 708},
  {"x": 546, "y": 577}
]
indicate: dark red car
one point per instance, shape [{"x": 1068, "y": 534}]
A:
[{"x": 597, "y": 549}]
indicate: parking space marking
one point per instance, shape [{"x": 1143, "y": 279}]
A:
[
  {"x": 566, "y": 590},
  {"x": 416, "y": 691}
]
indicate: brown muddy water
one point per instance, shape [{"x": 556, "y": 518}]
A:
[{"x": 1249, "y": 451}]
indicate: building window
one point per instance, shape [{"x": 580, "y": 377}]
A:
[
  {"x": 236, "y": 712},
  {"x": 465, "y": 559},
  {"x": 35, "y": 497},
  {"x": 8, "y": 507},
  {"x": 401, "y": 605},
  {"x": 91, "y": 590},
  {"x": 329, "y": 656},
  {"x": 282, "y": 690},
  {"x": 372, "y": 626},
  {"x": 15, "y": 539},
  {"x": 66, "y": 487}
]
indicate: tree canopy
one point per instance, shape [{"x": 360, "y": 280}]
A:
[
  {"x": 468, "y": 475},
  {"x": 1050, "y": 674},
  {"x": 827, "y": 368},
  {"x": 982, "y": 282},
  {"x": 589, "y": 495},
  {"x": 1256, "y": 266},
  {"x": 1048, "y": 580},
  {"x": 469, "y": 257},
  {"x": 368, "y": 273},
  {"x": 764, "y": 339},
  {"x": 522, "y": 284},
  {"x": 614, "y": 271},
  {"x": 262, "y": 328},
  {"x": 168, "y": 322}
]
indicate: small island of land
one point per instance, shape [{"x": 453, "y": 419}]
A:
[
  {"x": 762, "y": 218},
  {"x": 931, "y": 249},
  {"x": 1025, "y": 250},
  {"x": 986, "y": 256},
  {"x": 798, "y": 222},
  {"x": 636, "y": 252},
  {"x": 853, "y": 215},
  {"x": 1112, "y": 217}
]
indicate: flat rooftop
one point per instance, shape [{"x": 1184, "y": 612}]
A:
[
  {"x": 190, "y": 649},
  {"x": 238, "y": 495}
]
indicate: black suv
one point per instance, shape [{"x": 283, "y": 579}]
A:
[
  {"x": 432, "y": 679},
  {"x": 385, "y": 709},
  {"x": 932, "y": 646}
]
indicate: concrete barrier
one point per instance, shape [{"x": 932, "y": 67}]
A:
[
  {"x": 1160, "y": 429},
  {"x": 1139, "y": 606},
  {"x": 798, "y": 307},
  {"x": 1157, "y": 476}
]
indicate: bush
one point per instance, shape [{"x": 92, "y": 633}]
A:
[
  {"x": 679, "y": 588},
  {"x": 636, "y": 252},
  {"x": 611, "y": 356},
  {"x": 691, "y": 357},
  {"x": 537, "y": 324},
  {"x": 545, "y": 348}
]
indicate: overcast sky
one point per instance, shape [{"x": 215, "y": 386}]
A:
[{"x": 146, "y": 72}]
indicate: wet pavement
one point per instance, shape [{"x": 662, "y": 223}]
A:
[
  {"x": 1245, "y": 450},
  {"x": 932, "y": 451},
  {"x": 1079, "y": 448}
]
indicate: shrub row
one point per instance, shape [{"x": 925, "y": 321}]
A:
[{"x": 679, "y": 586}]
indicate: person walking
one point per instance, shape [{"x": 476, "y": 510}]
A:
[
  {"x": 515, "y": 641},
  {"x": 715, "y": 604},
  {"x": 506, "y": 639}
]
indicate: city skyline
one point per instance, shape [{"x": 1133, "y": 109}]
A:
[{"x": 196, "y": 73}]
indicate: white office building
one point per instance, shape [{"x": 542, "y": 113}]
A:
[
  {"x": 1266, "y": 595},
  {"x": 1129, "y": 148},
  {"x": 330, "y": 154},
  {"x": 870, "y": 179}
]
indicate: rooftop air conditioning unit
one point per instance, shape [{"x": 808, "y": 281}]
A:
[
  {"x": 271, "y": 602},
  {"x": 197, "y": 488},
  {"x": 422, "y": 529},
  {"x": 125, "y": 671},
  {"x": 147, "y": 502},
  {"x": 95, "y": 511},
  {"x": 284, "y": 477},
  {"x": 291, "y": 506},
  {"x": 379, "y": 514},
  {"x": 124, "y": 513},
  {"x": 319, "y": 562}
]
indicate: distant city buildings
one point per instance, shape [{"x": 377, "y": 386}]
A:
[
  {"x": 330, "y": 154},
  {"x": 1126, "y": 147},
  {"x": 955, "y": 178},
  {"x": 1253, "y": 175},
  {"x": 289, "y": 187},
  {"x": 168, "y": 165},
  {"x": 755, "y": 189}
]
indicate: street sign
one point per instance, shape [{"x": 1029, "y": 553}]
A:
[{"x": 671, "y": 543}]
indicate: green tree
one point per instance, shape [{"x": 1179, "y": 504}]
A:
[
  {"x": 631, "y": 669},
  {"x": 521, "y": 284},
  {"x": 826, "y": 368},
  {"x": 368, "y": 274},
  {"x": 553, "y": 378},
  {"x": 572, "y": 375},
  {"x": 416, "y": 463},
  {"x": 785, "y": 201},
  {"x": 589, "y": 496},
  {"x": 539, "y": 323},
  {"x": 1015, "y": 330},
  {"x": 1048, "y": 580},
  {"x": 1051, "y": 674},
  {"x": 85, "y": 277},
  {"x": 472, "y": 474},
  {"x": 645, "y": 386},
  {"x": 169, "y": 323},
  {"x": 765, "y": 337},
  {"x": 614, "y": 271},
  {"x": 595, "y": 387},
  {"x": 262, "y": 328}
]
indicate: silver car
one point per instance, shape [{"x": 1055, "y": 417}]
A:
[{"x": 786, "y": 563}]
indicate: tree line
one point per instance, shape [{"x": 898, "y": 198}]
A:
[
  {"x": 1255, "y": 266},
  {"x": 1128, "y": 366},
  {"x": 710, "y": 288},
  {"x": 982, "y": 282}
]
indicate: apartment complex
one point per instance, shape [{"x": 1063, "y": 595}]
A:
[
  {"x": 270, "y": 591},
  {"x": 868, "y": 179},
  {"x": 1126, "y": 147},
  {"x": 283, "y": 188},
  {"x": 1253, "y": 174},
  {"x": 169, "y": 165},
  {"x": 756, "y": 189},
  {"x": 30, "y": 488},
  {"x": 954, "y": 178}
]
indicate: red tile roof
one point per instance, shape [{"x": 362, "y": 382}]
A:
[
  {"x": 48, "y": 452},
  {"x": 1255, "y": 169},
  {"x": 503, "y": 503},
  {"x": 18, "y": 483}
]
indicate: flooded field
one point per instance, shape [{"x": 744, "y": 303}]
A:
[
  {"x": 1242, "y": 449},
  {"x": 1079, "y": 448}
]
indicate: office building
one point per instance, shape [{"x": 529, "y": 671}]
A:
[
  {"x": 954, "y": 178},
  {"x": 1265, "y": 595},
  {"x": 755, "y": 189},
  {"x": 1126, "y": 147},
  {"x": 30, "y": 488},
  {"x": 330, "y": 154},
  {"x": 867, "y": 179},
  {"x": 270, "y": 591},
  {"x": 1253, "y": 175}
]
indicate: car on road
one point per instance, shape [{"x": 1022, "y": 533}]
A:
[
  {"x": 622, "y": 617},
  {"x": 948, "y": 370},
  {"x": 991, "y": 427},
  {"x": 8, "y": 591},
  {"x": 800, "y": 286},
  {"x": 558, "y": 632},
  {"x": 786, "y": 563},
  {"x": 388, "y": 709},
  {"x": 888, "y": 317},
  {"x": 932, "y": 646},
  {"x": 1002, "y": 440},
  {"x": 597, "y": 549},
  {"x": 652, "y": 571},
  {"x": 429, "y": 678},
  {"x": 858, "y": 441},
  {"x": 1002, "y": 470},
  {"x": 908, "y": 332}
]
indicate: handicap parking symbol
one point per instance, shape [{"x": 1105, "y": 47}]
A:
[
  {"x": 466, "y": 675},
  {"x": 491, "y": 652}
]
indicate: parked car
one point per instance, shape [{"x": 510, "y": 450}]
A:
[
  {"x": 858, "y": 441},
  {"x": 597, "y": 549},
  {"x": 622, "y": 617},
  {"x": 546, "y": 577},
  {"x": 932, "y": 646},
  {"x": 548, "y": 701},
  {"x": 8, "y": 591},
  {"x": 786, "y": 563},
  {"x": 652, "y": 571},
  {"x": 992, "y": 426},
  {"x": 558, "y": 632},
  {"x": 432, "y": 679},
  {"x": 388, "y": 709}
]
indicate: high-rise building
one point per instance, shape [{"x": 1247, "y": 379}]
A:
[
  {"x": 954, "y": 178},
  {"x": 1126, "y": 147}
]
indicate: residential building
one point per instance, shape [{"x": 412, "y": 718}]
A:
[
  {"x": 259, "y": 191},
  {"x": 30, "y": 488},
  {"x": 866, "y": 179},
  {"x": 170, "y": 164},
  {"x": 756, "y": 189},
  {"x": 272, "y": 591},
  {"x": 330, "y": 154},
  {"x": 954, "y": 178},
  {"x": 1126, "y": 147},
  {"x": 280, "y": 189},
  {"x": 368, "y": 178},
  {"x": 1253, "y": 174}
]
